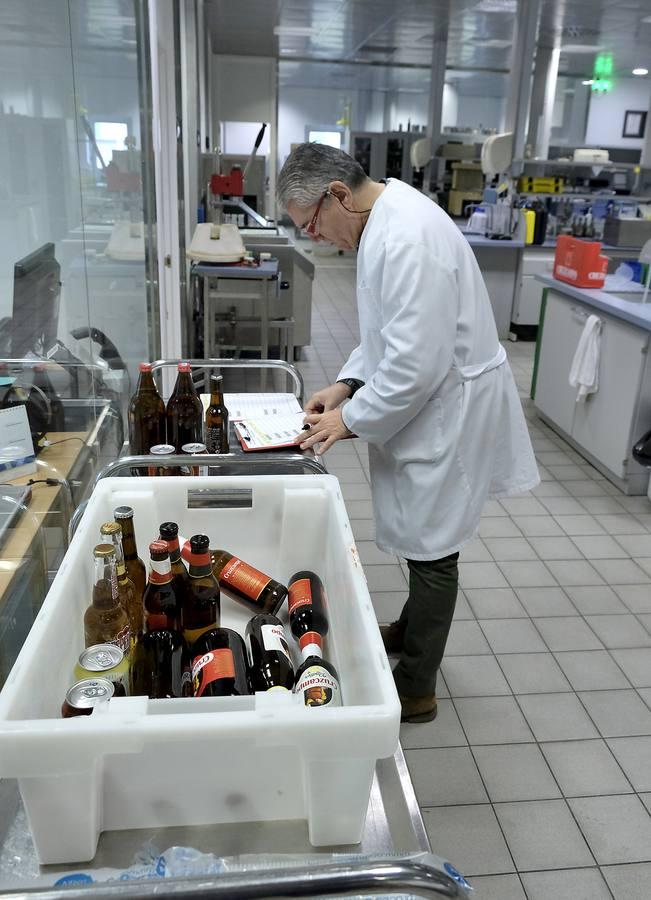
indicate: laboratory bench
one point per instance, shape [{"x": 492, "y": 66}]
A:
[{"x": 604, "y": 426}]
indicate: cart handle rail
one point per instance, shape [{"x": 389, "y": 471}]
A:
[
  {"x": 378, "y": 876},
  {"x": 293, "y": 461},
  {"x": 286, "y": 367}
]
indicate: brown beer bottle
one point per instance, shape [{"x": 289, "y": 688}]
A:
[
  {"x": 249, "y": 586},
  {"x": 219, "y": 664},
  {"x": 105, "y": 620},
  {"x": 136, "y": 571},
  {"x": 216, "y": 421},
  {"x": 317, "y": 679},
  {"x": 162, "y": 606},
  {"x": 146, "y": 414},
  {"x": 169, "y": 532},
  {"x": 111, "y": 532},
  {"x": 270, "y": 662},
  {"x": 201, "y": 607},
  {"x": 307, "y": 604},
  {"x": 161, "y": 666},
  {"x": 184, "y": 411}
]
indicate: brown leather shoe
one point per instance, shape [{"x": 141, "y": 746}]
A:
[
  {"x": 418, "y": 709},
  {"x": 392, "y": 637}
]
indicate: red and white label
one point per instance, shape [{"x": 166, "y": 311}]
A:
[
  {"x": 160, "y": 571},
  {"x": 214, "y": 665},
  {"x": 300, "y": 594},
  {"x": 318, "y": 687},
  {"x": 242, "y": 577},
  {"x": 273, "y": 638}
]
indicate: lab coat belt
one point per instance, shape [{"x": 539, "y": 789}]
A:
[{"x": 469, "y": 373}]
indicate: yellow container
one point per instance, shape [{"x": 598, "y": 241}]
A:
[
  {"x": 551, "y": 184},
  {"x": 530, "y": 224}
]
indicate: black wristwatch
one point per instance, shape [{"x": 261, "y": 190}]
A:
[{"x": 353, "y": 383}]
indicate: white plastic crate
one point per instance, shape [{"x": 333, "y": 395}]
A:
[{"x": 152, "y": 763}]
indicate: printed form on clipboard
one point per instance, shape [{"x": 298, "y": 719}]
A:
[{"x": 269, "y": 432}]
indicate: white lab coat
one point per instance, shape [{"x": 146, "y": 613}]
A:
[{"x": 439, "y": 406}]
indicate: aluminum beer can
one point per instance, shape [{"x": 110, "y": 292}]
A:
[
  {"x": 82, "y": 698},
  {"x": 161, "y": 450},
  {"x": 196, "y": 449},
  {"x": 105, "y": 661}
]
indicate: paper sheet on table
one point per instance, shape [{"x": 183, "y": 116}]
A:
[
  {"x": 269, "y": 432},
  {"x": 256, "y": 406}
]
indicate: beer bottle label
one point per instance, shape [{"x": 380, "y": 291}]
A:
[
  {"x": 273, "y": 638},
  {"x": 318, "y": 687},
  {"x": 242, "y": 577},
  {"x": 160, "y": 571},
  {"x": 123, "y": 640},
  {"x": 300, "y": 594},
  {"x": 159, "y": 621},
  {"x": 212, "y": 666}
]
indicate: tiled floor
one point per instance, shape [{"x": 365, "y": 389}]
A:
[{"x": 535, "y": 779}]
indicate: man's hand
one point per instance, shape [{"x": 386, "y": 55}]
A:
[
  {"x": 325, "y": 429},
  {"x": 327, "y": 398}
]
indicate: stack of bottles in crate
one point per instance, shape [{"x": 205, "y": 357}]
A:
[{"x": 160, "y": 636}]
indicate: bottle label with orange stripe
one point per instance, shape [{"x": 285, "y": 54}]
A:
[
  {"x": 240, "y": 576},
  {"x": 160, "y": 571},
  {"x": 300, "y": 594},
  {"x": 211, "y": 667}
]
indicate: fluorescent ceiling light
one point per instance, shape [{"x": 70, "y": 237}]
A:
[
  {"x": 581, "y": 48},
  {"x": 588, "y": 81},
  {"x": 497, "y": 6},
  {"x": 293, "y": 31},
  {"x": 495, "y": 43},
  {"x": 288, "y": 50},
  {"x": 640, "y": 71}
]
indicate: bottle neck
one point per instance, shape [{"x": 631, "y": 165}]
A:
[
  {"x": 160, "y": 571},
  {"x": 185, "y": 385},
  {"x": 311, "y": 650},
  {"x": 200, "y": 564},
  {"x": 146, "y": 384},
  {"x": 105, "y": 591},
  {"x": 130, "y": 551},
  {"x": 174, "y": 550}
]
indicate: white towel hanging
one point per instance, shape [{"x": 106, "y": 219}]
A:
[{"x": 584, "y": 372}]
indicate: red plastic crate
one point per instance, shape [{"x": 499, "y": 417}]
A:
[{"x": 580, "y": 262}]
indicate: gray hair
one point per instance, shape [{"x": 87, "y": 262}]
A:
[{"x": 310, "y": 168}]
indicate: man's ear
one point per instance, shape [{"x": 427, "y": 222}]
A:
[{"x": 340, "y": 190}]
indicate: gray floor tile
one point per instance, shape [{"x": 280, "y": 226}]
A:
[
  {"x": 498, "y": 887},
  {"x": 592, "y": 670},
  {"x": 621, "y": 524},
  {"x": 563, "y": 506},
  {"x": 550, "y": 489},
  {"x": 556, "y": 717},
  {"x": 545, "y": 601},
  {"x": 644, "y": 563},
  {"x": 567, "y": 633},
  {"x": 525, "y": 506},
  {"x": 636, "y": 505},
  {"x": 527, "y": 574},
  {"x": 537, "y": 526},
  {"x": 388, "y": 605},
  {"x": 579, "y": 524},
  {"x": 542, "y": 834},
  {"x": 618, "y": 829},
  {"x": 493, "y": 508},
  {"x": 575, "y": 572},
  {"x": 596, "y": 599},
  {"x": 621, "y": 571},
  {"x": 646, "y": 799},
  {"x": 474, "y": 676},
  {"x": 462, "y": 608},
  {"x": 360, "y": 509},
  {"x": 492, "y": 720},
  {"x": 371, "y": 555},
  {"x": 634, "y": 756},
  {"x": 495, "y": 603},
  {"x": 585, "y": 768},
  {"x": 555, "y": 548},
  {"x": 510, "y": 549},
  {"x": 363, "y": 529},
  {"x": 385, "y": 578},
  {"x": 470, "y": 837},
  {"x": 600, "y": 546},
  {"x": 566, "y": 884},
  {"x": 466, "y": 639},
  {"x": 617, "y": 713},
  {"x": 586, "y": 488},
  {"x": 637, "y": 597},
  {"x": 480, "y": 575},
  {"x": 359, "y": 491},
  {"x": 635, "y": 544},
  {"x": 447, "y": 776},
  {"x": 636, "y": 665},
  {"x": 498, "y": 526},
  {"x": 515, "y": 772},
  {"x": 475, "y": 551},
  {"x": 512, "y": 636},
  {"x": 602, "y": 505},
  {"x": 533, "y": 673},
  {"x": 348, "y": 474},
  {"x": 617, "y": 632},
  {"x": 569, "y": 472},
  {"x": 444, "y": 731},
  {"x": 630, "y": 882},
  {"x": 645, "y": 694}
]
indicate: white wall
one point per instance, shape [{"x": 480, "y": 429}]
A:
[
  {"x": 487, "y": 112},
  {"x": 606, "y": 114}
]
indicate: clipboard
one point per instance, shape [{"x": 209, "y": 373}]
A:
[{"x": 270, "y": 432}]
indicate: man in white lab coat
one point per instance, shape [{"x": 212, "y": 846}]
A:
[{"x": 429, "y": 386}]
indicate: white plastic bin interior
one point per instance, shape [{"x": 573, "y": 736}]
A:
[{"x": 143, "y": 763}]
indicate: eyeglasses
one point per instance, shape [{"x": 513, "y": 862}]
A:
[{"x": 310, "y": 228}]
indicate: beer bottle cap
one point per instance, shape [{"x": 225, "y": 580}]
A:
[
  {"x": 158, "y": 548},
  {"x": 168, "y": 530},
  {"x": 104, "y": 551},
  {"x": 110, "y": 528},
  {"x": 216, "y": 378},
  {"x": 310, "y": 637},
  {"x": 123, "y": 512},
  {"x": 145, "y": 367},
  {"x": 199, "y": 543},
  {"x": 184, "y": 367}
]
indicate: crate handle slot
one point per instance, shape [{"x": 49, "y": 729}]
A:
[{"x": 220, "y": 498}]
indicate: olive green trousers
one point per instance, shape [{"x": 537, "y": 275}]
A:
[{"x": 425, "y": 623}]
